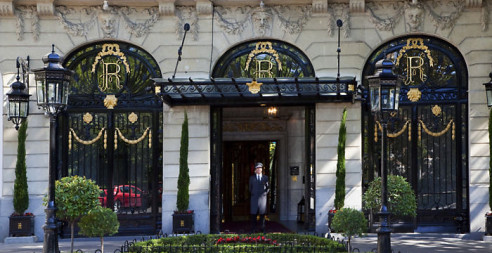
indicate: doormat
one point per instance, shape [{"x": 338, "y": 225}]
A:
[{"x": 243, "y": 227}]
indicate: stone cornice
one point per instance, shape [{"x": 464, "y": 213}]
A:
[{"x": 167, "y": 7}]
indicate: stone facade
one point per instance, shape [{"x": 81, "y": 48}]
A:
[{"x": 30, "y": 27}]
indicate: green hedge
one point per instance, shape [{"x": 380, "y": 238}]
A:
[{"x": 264, "y": 243}]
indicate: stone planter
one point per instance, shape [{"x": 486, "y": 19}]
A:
[
  {"x": 21, "y": 225},
  {"x": 183, "y": 223}
]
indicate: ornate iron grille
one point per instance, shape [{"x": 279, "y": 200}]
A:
[
  {"x": 428, "y": 136},
  {"x": 112, "y": 131}
]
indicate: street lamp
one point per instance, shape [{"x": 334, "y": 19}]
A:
[
  {"x": 384, "y": 90},
  {"x": 18, "y": 96},
  {"x": 52, "y": 83},
  {"x": 488, "y": 91}
]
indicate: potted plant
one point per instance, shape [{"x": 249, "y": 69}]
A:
[
  {"x": 21, "y": 223},
  {"x": 340, "y": 173},
  {"x": 100, "y": 221},
  {"x": 75, "y": 196},
  {"x": 350, "y": 222},
  {"x": 401, "y": 201},
  {"x": 183, "y": 218},
  {"x": 488, "y": 215}
]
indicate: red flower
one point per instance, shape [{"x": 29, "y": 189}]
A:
[{"x": 333, "y": 211}]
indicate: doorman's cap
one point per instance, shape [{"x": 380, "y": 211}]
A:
[{"x": 259, "y": 165}]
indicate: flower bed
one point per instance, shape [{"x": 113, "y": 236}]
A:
[{"x": 239, "y": 243}]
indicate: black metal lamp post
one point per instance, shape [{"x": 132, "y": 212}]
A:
[
  {"x": 52, "y": 83},
  {"x": 384, "y": 90},
  {"x": 488, "y": 91},
  {"x": 18, "y": 96}
]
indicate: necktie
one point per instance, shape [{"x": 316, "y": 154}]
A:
[{"x": 258, "y": 177}]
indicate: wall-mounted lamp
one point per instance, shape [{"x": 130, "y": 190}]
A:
[
  {"x": 272, "y": 112},
  {"x": 488, "y": 91},
  {"x": 18, "y": 96},
  {"x": 105, "y": 5}
]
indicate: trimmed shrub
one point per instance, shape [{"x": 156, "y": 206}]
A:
[
  {"x": 75, "y": 196},
  {"x": 183, "y": 197},
  {"x": 21, "y": 195},
  {"x": 401, "y": 198},
  {"x": 340, "y": 183},
  {"x": 99, "y": 222},
  {"x": 350, "y": 222}
]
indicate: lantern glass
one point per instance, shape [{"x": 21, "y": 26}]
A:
[
  {"x": 40, "y": 87},
  {"x": 389, "y": 97},
  {"x": 374, "y": 96},
  {"x": 488, "y": 92}
]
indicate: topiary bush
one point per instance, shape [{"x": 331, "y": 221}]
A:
[
  {"x": 74, "y": 197},
  {"x": 21, "y": 195},
  {"x": 350, "y": 222},
  {"x": 183, "y": 197},
  {"x": 401, "y": 198},
  {"x": 99, "y": 222}
]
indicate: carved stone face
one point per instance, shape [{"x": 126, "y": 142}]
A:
[
  {"x": 107, "y": 22},
  {"x": 413, "y": 16}
]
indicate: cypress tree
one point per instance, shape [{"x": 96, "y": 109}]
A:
[
  {"x": 340, "y": 184},
  {"x": 21, "y": 196},
  {"x": 184, "y": 177}
]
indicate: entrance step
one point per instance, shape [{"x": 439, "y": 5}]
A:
[{"x": 21, "y": 239}]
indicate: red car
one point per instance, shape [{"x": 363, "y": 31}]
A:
[{"x": 125, "y": 196}]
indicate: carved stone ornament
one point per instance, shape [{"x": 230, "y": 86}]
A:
[
  {"x": 110, "y": 101},
  {"x": 261, "y": 18},
  {"x": 27, "y": 12},
  {"x": 187, "y": 15},
  {"x": 443, "y": 14},
  {"x": 385, "y": 16},
  {"x": 254, "y": 87},
  {"x": 414, "y": 94},
  {"x": 6, "y": 8},
  {"x": 108, "y": 20},
  {"x": 291, "y": 19},
  {"x": 339, "y": 11},
  {"x": 448, "y": 20}
]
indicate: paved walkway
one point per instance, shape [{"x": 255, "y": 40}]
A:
[{"x": 420, "y": 243}]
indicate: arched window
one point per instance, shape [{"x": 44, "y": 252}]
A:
[
  {"x": 427, "y": 138},
  {"x": 111, "y": 67},
  {"x": 263, "y": 59}
]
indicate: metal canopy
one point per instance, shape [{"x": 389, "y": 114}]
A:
[{"x": 235, "y": 91}]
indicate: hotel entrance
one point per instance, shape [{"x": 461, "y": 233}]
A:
[{"x": 239, "y": 160}]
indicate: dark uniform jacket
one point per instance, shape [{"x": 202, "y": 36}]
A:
[{"x": 259, "y": 190}]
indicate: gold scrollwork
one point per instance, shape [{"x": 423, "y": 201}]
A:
[
  {"x": 87, "y": 118},
  {"x": 414, "y": 94},
  {"x": 132, "y": 117},
  {"x": 110, "y": 49},
  {"x": 436, "y": 110},
  {"x": 89, "y": 142},
  {"x": 110, "y": 101},
  {"x": 254, "y": 87},
  {"x": 117, "y": 133},
  {"x": 393, "y": 135},
  {"x": 264, "y": 47},
  {"x": 436, "y": 134},
  {"x": 415, "y": 43}
]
